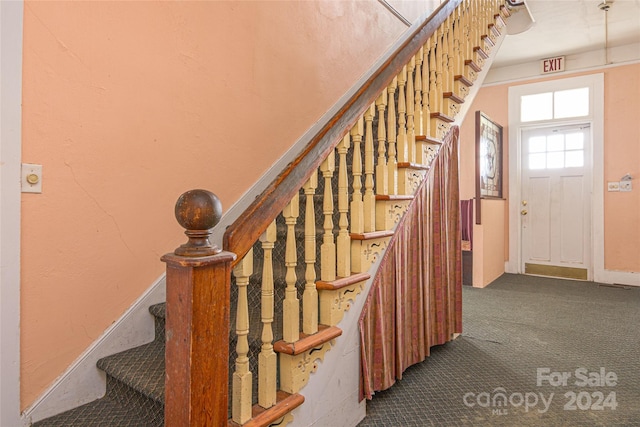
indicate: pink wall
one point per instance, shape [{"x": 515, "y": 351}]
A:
[
  {"x": 129, "y": 104},
  {"x": 621, "y": 156}
]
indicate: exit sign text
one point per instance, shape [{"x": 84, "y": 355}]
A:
[{"x": 552, "y": 65}]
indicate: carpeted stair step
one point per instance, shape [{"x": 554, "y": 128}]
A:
[{"x": 135, "y": 387}]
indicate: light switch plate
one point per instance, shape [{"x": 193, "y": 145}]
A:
[
  {"x": 613, "y": 186},
  {"x": 31, "y": 178}
]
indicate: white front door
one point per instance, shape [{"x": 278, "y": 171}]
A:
[{"x": 555, "y": 209}]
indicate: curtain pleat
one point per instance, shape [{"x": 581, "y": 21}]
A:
[{"x": 415, "y": 301}]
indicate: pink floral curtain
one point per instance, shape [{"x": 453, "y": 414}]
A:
[{"x": 416, "y": 298}]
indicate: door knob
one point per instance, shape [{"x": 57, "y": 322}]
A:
[
  {"x": 524, "y": 203},
  {"x": 524, "y": 212}
]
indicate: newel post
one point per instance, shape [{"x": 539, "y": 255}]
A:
[{"x": 197, "y": 319}]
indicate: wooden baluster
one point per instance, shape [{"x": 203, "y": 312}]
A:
[
  {"x": 197, "y": 323},
  {"x": 439, "y": 70},
  {"x": 419, "y": 128},
  {"x": 310, "y": 295},
  {"x": 466, "y": 38},
  {"x": 343, "y": 246},
  {"x": 369, "y": 195},
  {"x": 434, "y": 105},
  {"x": 357, "y": 204},
  {"x": 382, "y": 173},
  {"x": 291, "y": 304},
  {"x": 403, "y": 148},
  {"x": 242, "y": 377},
  {"x": 445, "y": 58},
  {"x": 426, "y": 111},
  {"x": 391, "y": 126},
  {"x": 328, "y": 247},
  {"x": 457, "y": 46},
  {"x": 450, "y": 56},
  {"x": 411, "y": 132},
  {"x": 267, "y": 359}
]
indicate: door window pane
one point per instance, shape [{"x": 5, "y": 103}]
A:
[
  {"x": 574, "y": 141},
  {"x": 574, "y": 159},
  {"x": 537, "y": 144},
  {"x": 555, "y": 142},
  {"x": 555, "y": 160},
  {"x": 537, "y": 161}
]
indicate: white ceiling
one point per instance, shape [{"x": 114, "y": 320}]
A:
[{"x": 569, "y": 27}]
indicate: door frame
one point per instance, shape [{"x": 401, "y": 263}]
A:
[
  {"x": 595, "y": 82},
  {"x": 11, "y": 24}
]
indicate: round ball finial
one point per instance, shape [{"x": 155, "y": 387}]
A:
[{"x": 198, "y": 211}]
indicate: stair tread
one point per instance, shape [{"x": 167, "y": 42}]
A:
[
  {"x": 104, "y": 412},
  {"x": 306, "y": 342},
  {"x": 265, "y": 417},
  {"x": 342, "y": 282},
  {"x": 141, "y": 368}
]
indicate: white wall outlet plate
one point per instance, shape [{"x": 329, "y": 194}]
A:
[
  {"x": 613, "y": 186},
  {"x": 31, "y": 178},
  {"x": 625, "y": 186}
]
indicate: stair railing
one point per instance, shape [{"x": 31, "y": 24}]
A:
[{"x": 384, "y": 139}]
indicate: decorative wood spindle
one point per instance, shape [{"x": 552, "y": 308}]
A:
[
  {"x": 310, "y": 295},
  {"x": 343, "y": 245},
  {"x": 198, "y": 277},
  {"x": 267, "y": 359},
  {"x": 457, "y": 42},
  {"x": 434, "y": 104},
  {"x": 439, "y": 69},
  {"x": 417, "y": 111},
  {"x": 328, "y": 247},
  {"x": 450, "y": 56},
  {"x": 403, "y": 148},
  {"x": 369, "y": 195},
  {"x": 382, "y": 176},
  {"x": 291, "y": 304},
  {"x": 357, "y": 204},
  {"x": 392, "y": 163},
  {"x": 426, "y": 112},
  {"x": 242, "y": 377},
  {"x": 411, "y": 132},
  {"x": 445, "y": 58}
]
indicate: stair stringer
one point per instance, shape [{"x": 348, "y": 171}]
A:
[
  {"x": 83, "y": 382},
  {"x": 332, "y": 393}
]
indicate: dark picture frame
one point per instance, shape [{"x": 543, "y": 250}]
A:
[{"x": 489, "y": 173}]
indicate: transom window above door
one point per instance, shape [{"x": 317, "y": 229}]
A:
[{"x": 560, "y": 104}]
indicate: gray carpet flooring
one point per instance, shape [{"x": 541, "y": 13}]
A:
[{"x": 532, "y": 353}]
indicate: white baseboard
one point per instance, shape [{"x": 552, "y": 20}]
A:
[
  {"x": 83, "y": 382},
  {"x": 618, "y": 277}
]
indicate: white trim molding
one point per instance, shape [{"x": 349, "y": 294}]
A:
[{"x": 11, "y": 13}]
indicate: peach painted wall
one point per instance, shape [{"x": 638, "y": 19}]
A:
[
  {"x": 621, "y": 156},
  {"x": 129, "y": 104}
]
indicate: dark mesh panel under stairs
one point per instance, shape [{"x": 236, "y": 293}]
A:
[{"x": 135, "y": 388}]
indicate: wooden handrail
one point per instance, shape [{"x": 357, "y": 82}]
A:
[{"x": 243, "y": 233}]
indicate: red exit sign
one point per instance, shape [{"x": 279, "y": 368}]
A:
[{"x": 552, "y": 65}]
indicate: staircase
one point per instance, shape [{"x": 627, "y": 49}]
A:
[{"x": 307, "y": 248}]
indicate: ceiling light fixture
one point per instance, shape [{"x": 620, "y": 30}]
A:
[{"x": 605, "y": 6}]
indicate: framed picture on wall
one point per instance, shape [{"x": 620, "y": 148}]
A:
[{"x": 488, "y": 160}]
